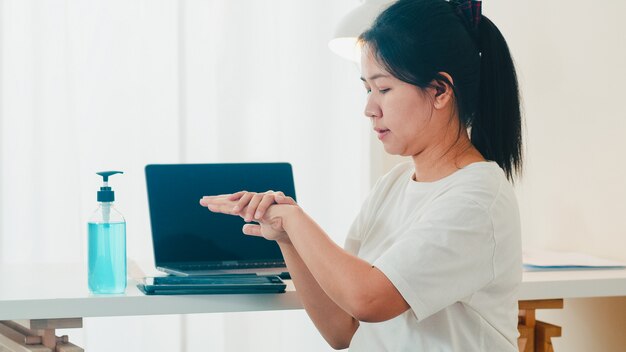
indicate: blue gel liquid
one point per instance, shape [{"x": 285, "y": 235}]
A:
[{"x": 107, "y": 257}]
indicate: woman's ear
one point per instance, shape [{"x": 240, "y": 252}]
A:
[{"x": 443, "y": 91}]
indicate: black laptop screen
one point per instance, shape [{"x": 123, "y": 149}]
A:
[{"x": 183, "y": 231}]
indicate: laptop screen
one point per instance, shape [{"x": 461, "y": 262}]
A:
[{"x": 185, "y": 232}]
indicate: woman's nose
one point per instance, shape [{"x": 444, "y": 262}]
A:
[
  {"x": 371, "y": 114},
  {"x": 372, "y": 110}
]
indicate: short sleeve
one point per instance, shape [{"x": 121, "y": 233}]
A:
[
  {"x": 443, "y": 257},
  {"x": 353, "y": 240},
  {"x": 355, "y": 235},
  {"x": 360, "y": 225}
]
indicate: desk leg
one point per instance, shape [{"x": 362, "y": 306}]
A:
[
  {"x": 535, "y": 336},
  {"x": 37, "y": 335}
]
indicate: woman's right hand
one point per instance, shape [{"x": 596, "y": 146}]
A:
[
  {"x": 253, "y": 206},
  {"x": 258, "y": 207}
]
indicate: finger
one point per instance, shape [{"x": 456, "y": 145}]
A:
[
  {"x": 221, "y": 208},
  {"x": 243, "y": 202},
  {"x": 280, "y": 198},
  {"x": 252, "y": 230},
  {"x": 204, "y": 201},
  {"x": 218, "y": 196},
  {"x": 266, "y": 202},
  {"x": 214, "y": 199},
  {"x": 237, "y": 196},
  {"x": 252, "y": 206}
]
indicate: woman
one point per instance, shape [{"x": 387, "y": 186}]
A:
[{"x": 433, "y": 260}]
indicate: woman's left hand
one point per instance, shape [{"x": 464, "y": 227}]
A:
[{"x": 265, "y": 208}]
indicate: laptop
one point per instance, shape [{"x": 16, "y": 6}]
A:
[{"x": 188, "y": 239}]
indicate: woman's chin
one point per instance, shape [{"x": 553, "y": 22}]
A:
[{"x": 389, "y": 149}]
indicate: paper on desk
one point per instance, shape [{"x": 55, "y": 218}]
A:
[{"x": 540, "y": 259}]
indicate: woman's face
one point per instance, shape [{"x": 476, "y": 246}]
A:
[{"x": 402, "y": 114}]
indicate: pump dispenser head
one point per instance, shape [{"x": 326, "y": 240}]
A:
[{"x": 106, "y": 194}]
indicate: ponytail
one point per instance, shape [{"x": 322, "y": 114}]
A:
[{"x": 496, "y": 130}]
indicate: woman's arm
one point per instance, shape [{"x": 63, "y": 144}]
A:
[
  {"x": 336, "y": 326},
  {"x": 358, "y": 288}
]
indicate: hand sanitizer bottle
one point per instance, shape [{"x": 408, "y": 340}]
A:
[{"x": 107, "y": 243}]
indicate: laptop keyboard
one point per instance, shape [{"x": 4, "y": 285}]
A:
[{"x": 230, "y": 265}]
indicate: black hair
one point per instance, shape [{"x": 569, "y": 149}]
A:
[{"x": 415, "y": 40}]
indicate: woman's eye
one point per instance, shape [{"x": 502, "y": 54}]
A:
[{"x": 381, "y": 91}]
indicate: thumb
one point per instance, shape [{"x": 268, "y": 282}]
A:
[{"x": 252, "y": 230}]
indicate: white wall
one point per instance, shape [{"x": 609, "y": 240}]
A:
[
  {"x": 115, "y": 84},
  {"x": 570, "y": 59}
]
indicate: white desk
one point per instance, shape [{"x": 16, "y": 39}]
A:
[
  {"x": 573, "y": 284},
  {"x": 60, "y": 291},
  {"x": 546, "y": 290}
]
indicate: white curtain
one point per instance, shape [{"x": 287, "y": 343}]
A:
[{"x": 87, "y": 86}]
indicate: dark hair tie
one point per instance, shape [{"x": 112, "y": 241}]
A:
[{"x": 470, "y": 12}]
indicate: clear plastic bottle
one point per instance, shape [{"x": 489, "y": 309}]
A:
[{"x": 106, "y": 243}]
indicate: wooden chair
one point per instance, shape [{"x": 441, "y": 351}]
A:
[{"x": 535, "y": 336}]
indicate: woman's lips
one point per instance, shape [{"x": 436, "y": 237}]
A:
[{"x": 381, "y": 133}]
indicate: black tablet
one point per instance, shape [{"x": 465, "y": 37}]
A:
[{"x": 214, "y": 284}]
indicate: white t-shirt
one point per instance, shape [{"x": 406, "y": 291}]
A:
[{"x": 453, "y": 249}]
